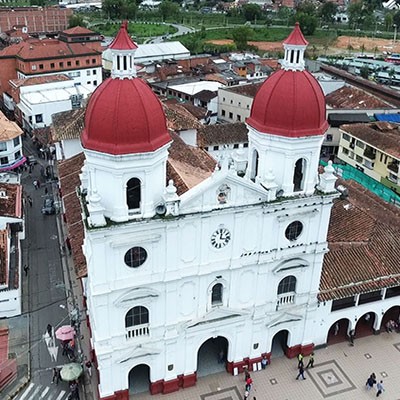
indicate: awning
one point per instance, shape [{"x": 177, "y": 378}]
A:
[{"x": 9, "y": 167}]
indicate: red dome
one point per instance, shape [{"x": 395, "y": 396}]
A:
[
  {"x": 289, "y": 103},
  {"x": 124, "y": 116}
]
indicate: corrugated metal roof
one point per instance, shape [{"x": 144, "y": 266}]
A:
[{"x": 388, "y": 117}]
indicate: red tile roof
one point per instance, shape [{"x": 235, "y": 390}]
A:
[
  {"x": 39, "y": 80},
  {"x": 68, "y": 124},
  {"x": 78, "y": 30},
  {"x": 385, "y": 136},
  {"x": 178, "y": 118},
  {"x": 249, "y": 90},
  {"x": 69, "y": 171},
  {"x": 123, "y": 41},
  {"x": 296, "y": 37},
  {"x": 210, "y": 135},
  {"x": 11, "y": 202},
  {"x": 364, "y": 244}
]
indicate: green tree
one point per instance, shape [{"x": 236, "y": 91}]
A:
[
  {"x": 128, "y": 9},
  {"x": 308, "y": 23},
  {"x": 357, "y": 13},
  {"x": 388, "y": 21},
  {"x": 168, "y": 9},
  {"x": 76, "y": 20},
  {"x": 111, "y": 8},
  {"x": 284, "y": 12},
  {"x": 395, "y": 20},
  {"x": 251, "y": 11},
  {"x": 241, "y": 36},
  {"x": 364, "y": 72},
  {"x": 327, "y": 12},
  {"x": 306, "y": 7}
]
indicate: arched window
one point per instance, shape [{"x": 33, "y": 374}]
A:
[
  {"x": 216, "y": 294},
  {"x": 298, "y": 175},
  {"x": 287, "y": 285},
  {"x": 136, "y": 316},
  {"x": 254, "y": 171},
  {"x": 133, "y": 193}
]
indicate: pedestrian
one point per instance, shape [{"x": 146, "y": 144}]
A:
[
  {"x": 88, "y": 366},
  {"x": 26, "y": 269},
  {"x": 300, "y": 358},
  {"x": 30, "y": 201},
  {"x": 69, "y": 247},
  {"x": 379, "y": 388},
  {"x": 38, "y": 184},
  {"x": 264, "y": 362},
  {"x": 246, "y": 375},
  {"x": 352, "y": 336},
  {"x": 49, "y": 330},
  {"x": 301, "y": 373},
  {"x": 246, "y": 395},
  {"x": 35, "y": 184},
  {"x": 371, "y": 381},
  {"x": 336, "y": 329},
  {"x": 249, "y": 382},
  {"x": 56, "y": 376},
  {"x": 310, "y": 363},
  {"x": 46, "y": 191},
  {"x": 65, "y": 348}
]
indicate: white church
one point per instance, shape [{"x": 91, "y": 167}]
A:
[{"x": 194, "y": 270}]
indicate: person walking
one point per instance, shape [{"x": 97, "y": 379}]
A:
[
  {"x": 46, "y": 191},
  {"x": 379, "y": 388},
  {"x": 88, "y": 366},
  {"x": 300, "y": 358},
  {"x": 310, "y": 363},
  {"x": 26, "y": 269},
  {"x": 264, "y": 362},
  {"x": 352, "y": 336},
  {"x": 249, "y": 382},
  {"x": 30, "y": 201},
  {"x": 301, "y": 372},
  {"x": 49, "y": 330},
  {"x": 35, "y": 184},
  {"x": 371, "y": 381},
  {"x": 56, "y": 375}
]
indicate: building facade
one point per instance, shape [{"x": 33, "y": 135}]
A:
[{"x": 247, "y": 275}]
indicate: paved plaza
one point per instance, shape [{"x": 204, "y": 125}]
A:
[{"x": 340, "y": 373}]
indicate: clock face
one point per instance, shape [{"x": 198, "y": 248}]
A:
[{"x": 220, "y": 238}]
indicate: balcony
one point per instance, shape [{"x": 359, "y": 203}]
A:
[
  {"x": 137, "y": 331},
  {"x": 285, "y": 299},
  {"x": 369, "y": 153},
  {"x": 393, "y": 167}
]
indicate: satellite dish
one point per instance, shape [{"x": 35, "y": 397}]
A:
[
  {"x": 279, "y": 193},
  {"x": 161, "y": 209}
]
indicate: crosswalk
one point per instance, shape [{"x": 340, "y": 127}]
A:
[{"x": 36, "y": 391}]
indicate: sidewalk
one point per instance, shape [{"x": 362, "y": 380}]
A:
[{"x": 340, "y": 373}]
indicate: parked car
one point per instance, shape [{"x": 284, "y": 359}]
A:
[
  {"x": 32, "y": 160},
  {"x": 48, "y": 206}
]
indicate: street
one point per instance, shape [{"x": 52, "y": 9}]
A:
[{"x": 44, "y": 294}]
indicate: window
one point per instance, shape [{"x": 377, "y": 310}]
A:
[
  {"x": 68, "y": 63},
  {"x": 294, "y": 230},
  {"x": 33, "y": 67},
  {"x": 223, "y": 99},
  {"x": 88, "y": 83},
  {"x": 216, "y": 294},
  {"x": 359, "y": 144},
  {"x": 135, "y": 257},
  {"x": 136, "y": 316},
  {"x": 223, "y": 113},
  {"x": 298, "y": 175},
  {"x": 88, "y": 72},
  {"x": 17, "y": 155},
  {"x": 40, "y": 66},
  {"x": 329, "y": 138},
  {"x": 340, "y": 304},
  {"x": 359, "y": 159},
  {"x": 3, "y": 160},
  {"x": 52, "y": 65},
  {"x": 77, "y": 62},
  {"x": 236, "y": 146},
  {"x": 346, "y": 137},
  {"x": 231, "y": 101},
  {"x": 39, "y": 118},
  {"x": 95, "y": 83},
  {"x": 87, "y": 62},
  {"x": 287, "y": 285},
  {"x": 61, "y": 64},
  {"x": 246, "y": 145},
  {"x": 94, "y": 72},
  {"x": 93, "y": 61},
  {"x": 248, "y": 106},
  {"x": 345, "y": 151},
  {"x": 3, "y": 146},
  {"x": 239, "y": 103},
  {"x": 231, "y": 115},
  {"x": 238, "y": 118},
  {"x": 133, "y": 193},
  {"x": 215, "y": 148},
  {"x": 16, "y": 141}
]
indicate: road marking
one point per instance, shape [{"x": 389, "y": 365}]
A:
[
  {"x": 51, "y": 345},
  {"x": 60, "y": 396},
  {"x": 37, "y": 390},
  {"x": 31, "y": 385},
  {"x": 44, "y": 392}
]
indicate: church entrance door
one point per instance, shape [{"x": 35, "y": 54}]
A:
[
  {"x": 139, "y": 379},
  {"x": 279, "y": 344},
  {"x": 212, "y": 356}
]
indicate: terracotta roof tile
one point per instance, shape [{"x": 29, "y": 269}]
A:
[
  {"x": 11, "y": 202},
  {"x": 78, "y": 30},
  {"x": 8, "y": 129},
  {"x": 384, "y": 136},
  {"x": 197, "y": 112},
  {"x": 364, "y": 243},
  {"x": 209, "y": 135},
  {"x": 39, "y": 80},
  {"x": 355, "y": 99},
  {"x": 179, "y": 118},
  {"x": 69, "y": 171},
  {"x": 68, "y": 124},
  {"x": 187, "y": 165},
  {"x": 245, "y": 90}
]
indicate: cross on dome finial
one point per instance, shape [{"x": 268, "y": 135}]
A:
[
  {"x": 123, "y": 50},
  {"x": 295, "y": 46}
]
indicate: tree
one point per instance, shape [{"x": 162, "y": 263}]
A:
[
  {"x": 306, "y": 7},
  {"x": 251, "y": 11},
  {"x": 241, "y": 36},
  {"x": 168, "y": 9},
  {"x": 308, "y": 23},
  {"x": 328, "y": 11},
  {"x": 120, "y": 9},
  {"x": 357, "y": 14},
  {"x": 395, "y": 20},
  {"x": 364, "y": 72},
  {"x": 76, "y": 20}
]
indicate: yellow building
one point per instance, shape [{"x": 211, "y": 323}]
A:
[{"x": 374, "y": 149}]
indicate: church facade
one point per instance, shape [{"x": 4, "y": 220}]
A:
[{"x": 187, "y": 257}]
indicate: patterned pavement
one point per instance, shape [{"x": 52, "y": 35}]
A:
[{"x": 340, "y": 372}]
